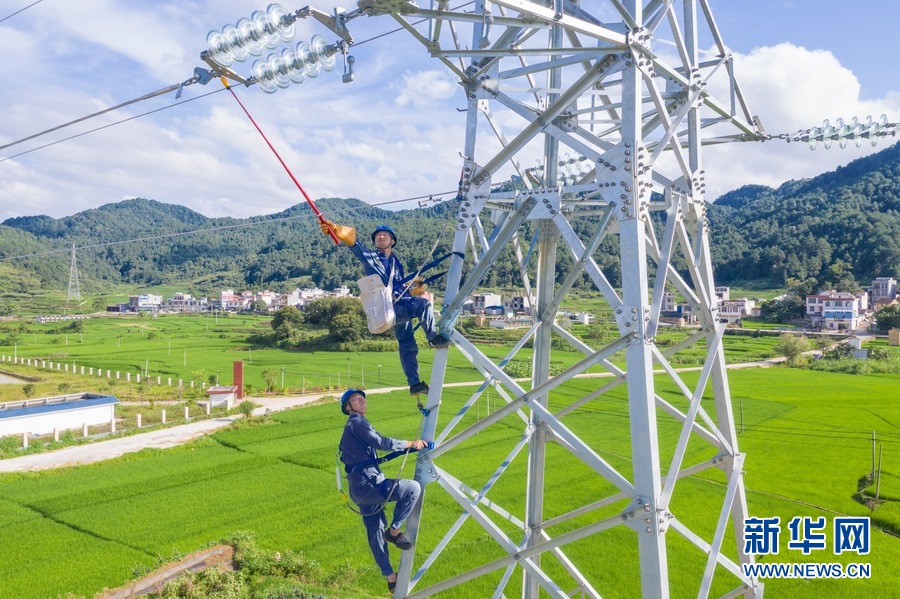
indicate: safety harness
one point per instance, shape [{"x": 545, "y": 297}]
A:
[
  {"x": 349, "y": 468},
  {"x": 428, "y": 266}
]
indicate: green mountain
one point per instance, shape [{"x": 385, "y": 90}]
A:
[
  {"x": 144, "y": 242},
  {"x": 829, "y": 229},
  {"x": 844, "y": 220}
]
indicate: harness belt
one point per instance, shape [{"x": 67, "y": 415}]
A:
[
  {"x": 431, "y": 265},
  {"x": 349, "y": 468}
]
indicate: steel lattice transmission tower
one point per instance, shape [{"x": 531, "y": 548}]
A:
[
  {"x": 74, "y": 285},
  {"x": 615, "y": 100}
]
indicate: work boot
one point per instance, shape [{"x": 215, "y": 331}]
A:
[
  {"x": 399, "y": 540},
  {"x": 439, "y": 341},
  {"x": 419, "y": 387}
]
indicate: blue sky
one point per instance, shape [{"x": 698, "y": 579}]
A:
[
  {"x": 861, "y": 35},
  {"x": 393, "y": 133}
]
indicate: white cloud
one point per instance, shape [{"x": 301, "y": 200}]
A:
[
  {"x": 792, "y": 89},
  {"x": 423, "y": 88},
  {"x": 393, "y": 133}
]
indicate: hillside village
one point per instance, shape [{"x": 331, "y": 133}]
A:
[
  {"x": 480, "y": 304},
  {"x": 827, "y": 310}
]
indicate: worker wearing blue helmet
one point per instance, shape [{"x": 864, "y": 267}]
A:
[
  {"x": 369, "y": 488},
  {"x": 408, "y": 303}
]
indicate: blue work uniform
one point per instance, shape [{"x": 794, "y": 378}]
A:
[
  {"x": 370, "y": 489},
  {"x": 406, "y": 307}
]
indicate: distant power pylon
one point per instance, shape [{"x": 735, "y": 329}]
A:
[{"x": 74, "y": 286}]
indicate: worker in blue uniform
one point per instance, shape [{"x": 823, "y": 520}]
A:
[
  {"x": 408, "y": 304},
  {"x": 368, "y": 486}
]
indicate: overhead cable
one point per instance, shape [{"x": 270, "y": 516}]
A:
[
  {"x": 159, "y": 92},
  {"x": 178, "y": 86},
  {"x": 283, "y": 163},
  {"x": 137, "y": 116},
  {"x": 20, "y": 10}
]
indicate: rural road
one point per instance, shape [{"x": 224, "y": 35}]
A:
[
  {"x": 161, "y": 438},
  {"x": 176, "y": 435}
]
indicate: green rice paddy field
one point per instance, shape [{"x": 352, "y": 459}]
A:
[
  {"x": 181, "y": 347},
  {"x": 807, "y": 436}
]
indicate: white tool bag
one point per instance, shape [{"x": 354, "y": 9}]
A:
[{"x": 378, "y": 303}]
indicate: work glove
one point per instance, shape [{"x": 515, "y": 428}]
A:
[
  {"x": 342, "y": 232},
  {"x": 418, "y": 287}
]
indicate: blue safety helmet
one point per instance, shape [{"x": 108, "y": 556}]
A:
[
  {"x": 345, "y": 398},
  {"x": 385, "y": 228}
]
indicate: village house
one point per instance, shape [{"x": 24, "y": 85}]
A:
[
  {"x": 481, "y": 302},
  {"x": 884, "y": 293},
  {"x": 836, "y": 310},
  {"x": 735, "y": 310},
  {"x": 185, "y": 302},
  {"x": 146, "y": 302},
  {"x": 517, "y": 305},
  {"x": 511, "y": 323},
  {"x": 884, "y": 288}
]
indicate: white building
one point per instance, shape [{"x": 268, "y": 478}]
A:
[
  {"x": 146, "y": 302},
  {"x": 185, "y": 302},
  {"x": 42, "y": 416},
  {"x": 481, "y": 301},
  {"x": 222, "y": 395},
  {"x": 313, "y": 293},
  {"x": 884, "y": 288},
  {"x": 511, "y": 323},
  {"x": 836, "y": 310},
  {"x": 282, "y": 300},
  {"x": 517, "y": 305},
  {"x": 678, "y": 312},
  {"x": 668, "y": 302},
  {"x": 735, "y": 310},
  {"x": 579, "y": 317},
  {"x": 266, "y": 297},
  {"x": 231, "y": 301}
]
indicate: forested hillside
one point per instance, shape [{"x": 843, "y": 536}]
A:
[
  {"x": 177, "y": 245},
  {"x": 843, "y": 221},
  {"x": 837, "y": 228}
]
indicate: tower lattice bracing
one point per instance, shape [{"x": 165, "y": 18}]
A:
[{"x": 597, "y": 112}]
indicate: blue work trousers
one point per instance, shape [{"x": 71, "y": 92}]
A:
[
  {"x": 371, "y": 501},
  {"x": 406, "y": 309}
]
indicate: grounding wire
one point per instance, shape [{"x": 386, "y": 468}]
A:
[
  {"x": 147, "y": 96},
  {"x": 20, "y": 10},
  {"x": 107, "y": 126}
]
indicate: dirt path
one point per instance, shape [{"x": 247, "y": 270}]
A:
[{"x": 162, "y": 438}]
